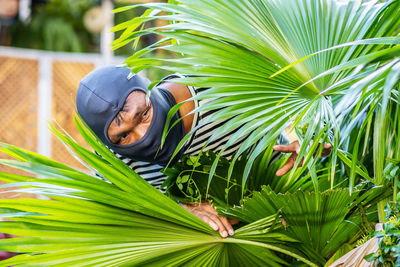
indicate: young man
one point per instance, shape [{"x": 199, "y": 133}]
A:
[{"x": 114, "y": 106}]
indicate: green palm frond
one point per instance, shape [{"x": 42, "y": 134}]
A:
[
  {"x": 321, "y": 221},
  {"x": 116, "y": 219},
  {"x": 267, "y": 61}
]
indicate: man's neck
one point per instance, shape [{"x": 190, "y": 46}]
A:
[{"x": 181, "y": 93}]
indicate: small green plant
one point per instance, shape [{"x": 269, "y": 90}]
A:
[
  {"x": 187, "y": 180},
  {"x": 392, "y": 209},
  {"x": 389, "y": 244}
]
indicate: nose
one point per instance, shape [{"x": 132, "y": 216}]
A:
[{"x": 139, "y": 132}]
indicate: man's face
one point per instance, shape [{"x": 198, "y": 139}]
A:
[{"x": 133, "y": 121}]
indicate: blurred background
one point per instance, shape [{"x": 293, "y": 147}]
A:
[{"x": 46, "y": 47}]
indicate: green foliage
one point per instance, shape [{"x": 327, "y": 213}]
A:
[
  {"x": 392, "y": 174},
  {"x": 126, "y": 16},
  {"x": 392, "y": 209},
  {"x": 331, "y": 67},
  {"x": 121, "y": 220},
  {"x": 56, "y": 26},
  {"x": 187, "y": 179},
  {"x": 323, "y": 222},
  {"x": 324, "y": 63},
  {"x": 389, "y": 244}
]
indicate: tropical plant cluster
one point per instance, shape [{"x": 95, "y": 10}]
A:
[
  {"x": 329, "y": 70},
  {"x": 389, "y": 244}
]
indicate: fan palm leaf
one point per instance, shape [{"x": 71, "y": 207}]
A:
[
  {"x": 120, "y": 220},
  {"x": 280, "y": 59},
  {"x": 322, "y": 221}
]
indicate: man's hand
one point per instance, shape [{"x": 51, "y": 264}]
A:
[
  {"x": 294, "y": 148},
  {"x": 209, "y": 215}
]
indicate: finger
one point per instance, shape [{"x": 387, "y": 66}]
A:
[
  {"x": 210, "y": 222},
  {"x": 286, "y": 148},
  {"x": 287, "y": 167},
  {"x": 221, "y": 227},
  {"x": 227, "y": 225},
  {"x": 213, "y": 214},
  {"x": 233, "y": 221},
  {"x": 327, "y": 146}
]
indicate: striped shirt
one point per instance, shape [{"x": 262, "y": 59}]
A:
[{"x": 152, "y": 172}]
